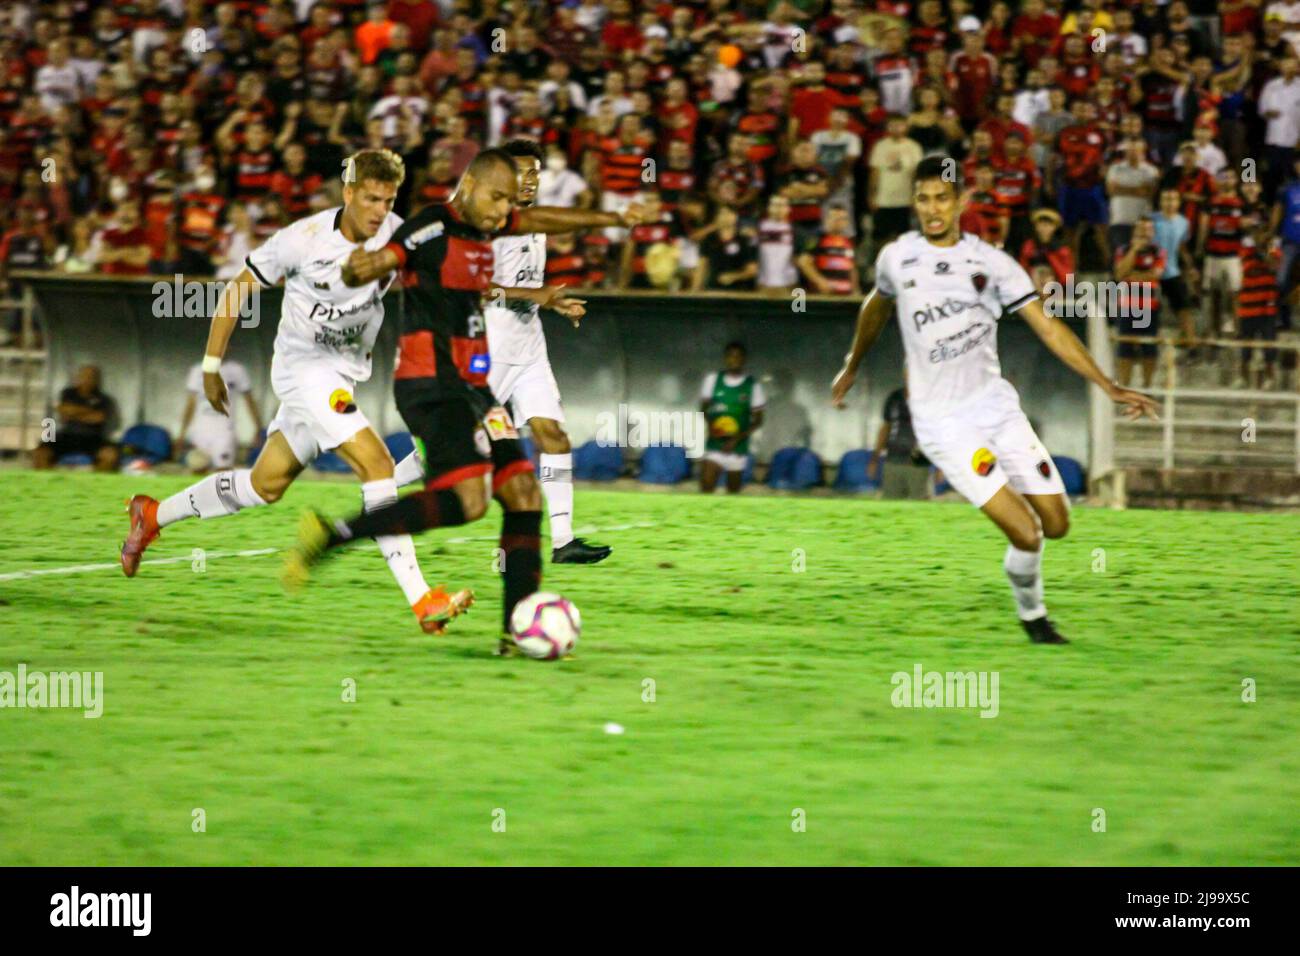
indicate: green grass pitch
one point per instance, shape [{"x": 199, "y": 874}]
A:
[{"x": 771, "y": 738}]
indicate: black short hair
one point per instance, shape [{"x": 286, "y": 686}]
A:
[
  {"x": 737, "y": 344},
  {"x": 524, "y": 147},
  {"x": 485, "y": 160},
  {"x": 939, "y": 167}
]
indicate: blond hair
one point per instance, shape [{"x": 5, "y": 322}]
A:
[{"x": 382, "y": 165}]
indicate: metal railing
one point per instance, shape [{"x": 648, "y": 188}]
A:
[{"x": 20, "y": 418}]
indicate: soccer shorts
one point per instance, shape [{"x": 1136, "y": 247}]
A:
[
  {"x": 986, "y": 444},
  {"x": 1221, "y": 272},
  {"x": 529, "y": 389},
  {"x": 1144, "y": 326},
  {"x": 217, "y": 441},
  {"x": 1174, "y": 291},
  {"x": 462, "y": 432},
  {"x": 1083, "y": 204},
  {"x": 318, "y": 410},
  {"x": 727, "y": 460}
]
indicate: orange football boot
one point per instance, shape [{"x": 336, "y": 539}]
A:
[
  {"x": 144, "y": 529},
  {"x": 436, "y": 609}
]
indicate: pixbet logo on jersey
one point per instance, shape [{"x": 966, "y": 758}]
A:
[{"x": 944, "y": 310}]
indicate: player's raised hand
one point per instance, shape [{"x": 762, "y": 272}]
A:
[
  {"x": 1135, "y": 403},
  {"x": 571, "y": 309},
  {"x": 214, "y": 387},
  {"x": 841, "y": 385}
]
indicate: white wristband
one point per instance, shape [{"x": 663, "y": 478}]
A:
[{"x": 211, "y": 364}]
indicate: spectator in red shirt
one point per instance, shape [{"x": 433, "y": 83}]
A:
[
  {"x": 294, "y": 183},
  {"x": 1080, "y": 196},
  {"x": 420, "y": 17},
  {"x": 971, "y": 75},
  {"x": 124, "y": 245},
  {"x": 1044, "y": 254},
  {"x": 1033, "y": 30},
  {"x": 620, "y": 33},
  {"x": 812, "y": 102}
]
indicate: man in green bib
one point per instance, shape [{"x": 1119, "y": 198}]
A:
[{"x": 732, "y": 401}]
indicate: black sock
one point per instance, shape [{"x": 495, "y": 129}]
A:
[
  {"x": 521, "y": 544},
  {"x": 409, "y": 515}
]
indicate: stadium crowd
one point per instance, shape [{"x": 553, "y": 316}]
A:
[{"x": 774, "y": 142}]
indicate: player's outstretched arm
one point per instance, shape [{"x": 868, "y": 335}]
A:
[
  {"x": 875, "y": 312},
  {"x": 561, "y": 219},
  {"x": 229, "y": 309},
  {"x": 1065, "y": 345},
  {"x": 551, "y": 297}
]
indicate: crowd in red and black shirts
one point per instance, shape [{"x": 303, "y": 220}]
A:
[{"x": 143, "y": 135}]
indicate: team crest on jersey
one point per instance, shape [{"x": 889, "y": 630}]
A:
[
  {"x": 983, "y": 462},
  {"x": 980, "y": 281},
  {"x": 1044, "y": 468},
  {"x": 940, "y": 268},
  {"x": 341, "y": 401}
]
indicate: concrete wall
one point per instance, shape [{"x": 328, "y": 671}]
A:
[{"x": 649, "y": 351}]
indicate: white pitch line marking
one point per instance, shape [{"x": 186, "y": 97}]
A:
[{"x": 259, "y": 552}]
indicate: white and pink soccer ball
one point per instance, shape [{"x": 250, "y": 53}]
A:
[{"x": 545, "y": 626}]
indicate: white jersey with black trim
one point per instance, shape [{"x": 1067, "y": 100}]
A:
[
  {"x": 949, "y": 300},
  {"x": 515, "y": 335},
  {"x": 322, "y": 320}
]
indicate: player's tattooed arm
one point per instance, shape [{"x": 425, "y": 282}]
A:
[
  {"x": 1065, "y": 345},
  {"x": 362, "y": 266},
  {"x": 229, "y": 308},
  {"x": 875, "y": 312}
]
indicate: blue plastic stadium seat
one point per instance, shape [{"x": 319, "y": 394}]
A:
[
  {"x": 781, "y": 469},
  {"x": 664, "y": 465},
  {"x": 331, "y": 463},
  {"x": 794, "y": 469},
  {"x": 400, "y": 444},
  {"x": 940, "y": 487},
  {"x": 747, "y": 475},
  {"x": 76, "y": 461},
  {"x": 596, "y": 462},
  {"x": 1075, "y": 481},
  {"x": 150, "y": 442},
  {"x": 854, "y": 471},
  {"x": 807, "y": 471}
]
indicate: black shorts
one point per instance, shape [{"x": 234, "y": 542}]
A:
[
  {"x": 1260, "y": 328},
  {"x": 462, "y": 432},
  {"x": 1138, "y": 325},
  {"x": 1174, "y": 293}
]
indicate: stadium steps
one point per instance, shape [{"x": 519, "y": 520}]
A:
[{"x": 12, "y": 362}]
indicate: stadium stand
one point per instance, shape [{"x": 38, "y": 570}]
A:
[
  {"x": 853, "y": 472},
  {"x": 664, "y": 465},
  {"x": 595, "y": 462}
]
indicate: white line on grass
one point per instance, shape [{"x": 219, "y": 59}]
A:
[{"x": 258, "y": 552}]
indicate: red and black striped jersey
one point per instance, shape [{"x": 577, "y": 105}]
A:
[
  {"x": 1134, "y": 294},
  {"x": 621, "y": 167},
  {"x": 253, "y": 173},
  {"x": 833, "y": 257},
  {"x": 1016, "y": 183},
  {"x": 645, "y": 234},
  {"x": 1223, "y": 225},
  {"x": 675, "y": 185},
  {"x": 1259, "y": 291},
  {"x": 1160, "y": 100},
  {"x": 566, "y": 268}
]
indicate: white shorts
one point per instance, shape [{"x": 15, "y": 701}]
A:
[
  {"x": 1221, "y": 272},
  {"x": 217, "y": 442},
  {"x": 530, "y": 390},
  {"x": 986, "y": 444},
  {"x": 318, "y": 409},
  {"x": 616, "y": 202},
  {"x": 727, "y": 460}
]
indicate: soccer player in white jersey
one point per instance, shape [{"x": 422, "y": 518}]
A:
[
  {"x": 209, "y": 431},
  {"x": 950, "y": 290},
  {"x": 520, "y": 374},
  {"x": 322, "y": 349}
]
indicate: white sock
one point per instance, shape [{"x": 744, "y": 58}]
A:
[
  {"x": 215, "y": 496},
  {"x": 1025, "y": 572},
  {"x": 409, "y": 470},
  {"x": 398, "y": 549},
  {"x": 557, "y": 486}
]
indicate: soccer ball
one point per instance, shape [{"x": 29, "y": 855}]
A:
[{"x": 545, "y": 626}]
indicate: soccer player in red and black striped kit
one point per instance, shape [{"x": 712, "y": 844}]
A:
[{"x": 444, "y": 253}]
